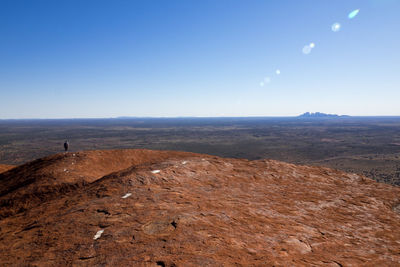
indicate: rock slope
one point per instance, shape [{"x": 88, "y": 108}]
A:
[
  {"x": 4, "y": 168},
  {"x": 163, "y": 208}
]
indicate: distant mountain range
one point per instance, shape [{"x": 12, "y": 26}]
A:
[{"x": 320, "y": 115}]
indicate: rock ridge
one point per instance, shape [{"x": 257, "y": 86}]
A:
[{"x": 165, "y": 208}]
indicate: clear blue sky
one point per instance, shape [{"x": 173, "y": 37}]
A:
[{"x": 93, "y": 58}]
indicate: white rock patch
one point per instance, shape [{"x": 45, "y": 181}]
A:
[
  {"x": 155, "y": 171},
  {"x": 184, "y": 162},
  {"x": 98, "y": 234},
  {"x": 127, "y": 195}
]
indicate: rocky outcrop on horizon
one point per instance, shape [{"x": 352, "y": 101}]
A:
[
  {"x": 320, "y": 115},
  {"x": 165, "y": 208}
]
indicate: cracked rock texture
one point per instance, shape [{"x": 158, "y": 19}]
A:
[{"x": 198, "y": 210}]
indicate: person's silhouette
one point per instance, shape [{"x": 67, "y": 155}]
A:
[{"x": 66, "y": 145}]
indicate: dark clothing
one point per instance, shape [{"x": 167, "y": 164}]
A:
[{"x": 66, "y": 145}]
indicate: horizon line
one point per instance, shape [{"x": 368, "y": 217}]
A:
[{"x": 204, "y": 117}]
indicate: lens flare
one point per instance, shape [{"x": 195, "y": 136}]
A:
[
  {"x": 353, "y": 13},
  {"x": 307, "y": 49},
  {"x": 278, "y": 72},
  {"x": 312, "y": 45},
  {"x": 267, "y": 80},
  {"x": 261, "y": 84},
  {"x": 336, "y": 27}
]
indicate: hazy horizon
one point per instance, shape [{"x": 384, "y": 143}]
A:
[
  {"x": 102, "y": 59},
  {"x": 341, "y": 116}
]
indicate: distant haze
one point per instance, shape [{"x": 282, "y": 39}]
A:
[{"x": 99, "y": 59}]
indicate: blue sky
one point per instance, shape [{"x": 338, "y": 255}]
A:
[{"x": 93, "y": 58}]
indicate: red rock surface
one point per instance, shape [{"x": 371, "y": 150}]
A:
[
  {"x": 198, "y": 210},
  {"x": 4, "y": 168}
]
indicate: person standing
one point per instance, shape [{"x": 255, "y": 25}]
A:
[{"x": 66, "y": 145}]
